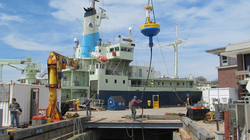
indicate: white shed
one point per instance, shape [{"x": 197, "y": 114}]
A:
[
  {"x": 30, "y": 97},
  {"x": 220, "y": 93}
]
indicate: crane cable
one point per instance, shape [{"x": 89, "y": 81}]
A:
[{"x": 147, "y": 79}]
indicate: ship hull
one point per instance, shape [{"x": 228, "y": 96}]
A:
[{"x": 166, "y": 98}]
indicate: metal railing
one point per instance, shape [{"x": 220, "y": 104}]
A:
[{"x": 97, "y": 103}]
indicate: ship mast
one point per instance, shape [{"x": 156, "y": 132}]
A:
[{"x": 175, "y": 46}]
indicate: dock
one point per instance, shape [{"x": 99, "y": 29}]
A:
[{"x": 103, "y": 125}]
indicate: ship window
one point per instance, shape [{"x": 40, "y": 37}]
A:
[
  {"x": 139, "y": 83},
  {"x": 116, "y": 48},
  {"x": 123, "y": 49},
  {"x": 123, "y": 81},
  {"x": 115, "y": 81},
  {"x": 107, "y": 81},
  {"x": 111, "y": 49},
  {"x": 162, "y": 83},
  {"x": 158, "y": 83},
  {"x": 132, "y": 50}
]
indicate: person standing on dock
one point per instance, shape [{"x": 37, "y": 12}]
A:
[
  {"x": 14, "y": 106},
  {"x": 188, "y": 103},
  {"x": 87, "y": 103},
  {"x": 132, "y": 105}
]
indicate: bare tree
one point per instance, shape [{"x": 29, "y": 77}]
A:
[{"x": 200, "y": 80}]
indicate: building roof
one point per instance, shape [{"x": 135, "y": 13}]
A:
[
  {"x": 217, "y": 51},
  {"x": 118, "y": 98},
  {"x": 233, "y": 49}
]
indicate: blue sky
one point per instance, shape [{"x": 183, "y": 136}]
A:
[{"x": 34, "y": 28}]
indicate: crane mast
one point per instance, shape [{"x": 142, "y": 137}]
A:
[
  {"x": 31, "y": 69},
  {"x": 56, "y": 63}
]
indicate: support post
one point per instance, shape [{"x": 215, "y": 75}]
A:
[
  {"x": 226, "y": 124},
  {"x": 1, "y": 73}
]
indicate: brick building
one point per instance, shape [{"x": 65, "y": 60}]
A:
[
  {"x": 228, "y": 66},
  {"x": 233, "y": 70}
]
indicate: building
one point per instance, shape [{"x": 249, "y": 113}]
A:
[
  {"x": 233, "y": 69},
  {"x": 228, "y": 65}
]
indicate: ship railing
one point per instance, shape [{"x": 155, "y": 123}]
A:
[
  {"x": 162, "y": 86},
  {"x": 96, "y": 103}
]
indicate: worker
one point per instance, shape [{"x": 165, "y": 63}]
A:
[
  {"x": 132, "y": 105},
  {"x": 87, "y": 104},
  {"x": 14, "y": 106},
  {"x": 188, "y": 103}
]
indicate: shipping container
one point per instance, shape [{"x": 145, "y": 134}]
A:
[{"x": 30, "y": 97}]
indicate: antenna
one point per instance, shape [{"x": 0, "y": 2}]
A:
[{"x": 79, "y": 22}]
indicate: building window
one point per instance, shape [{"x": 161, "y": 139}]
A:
[
  {"x": 170, "y": 83},
  {"x": 224, "y": 60},
  {"x": 100, "y": 50},
  {"x": 158, "y": 83},
  {"x": 107, "y": 81},
  {"x": 246, "y": 60},
  {"x": 162, "y": 83},
  {"x": 183, "y": 84},
  {"x": 115, "y": 81},
  {"x": 123, "y": 81}
]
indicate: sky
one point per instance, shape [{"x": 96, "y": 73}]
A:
[{"x": 36, "y": 27}]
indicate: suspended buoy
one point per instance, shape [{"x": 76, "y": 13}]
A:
[{"x": 150, "y": 28}]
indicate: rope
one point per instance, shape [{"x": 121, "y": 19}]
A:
[
  {"x": 127, "y": 130},
  {"x": 142, "y": 129},
  {"x": 136, "y": 34}
]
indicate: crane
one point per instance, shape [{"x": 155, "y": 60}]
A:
[
  {"x": 31, "y": 69},
  {"x": 56, "y": 63}
]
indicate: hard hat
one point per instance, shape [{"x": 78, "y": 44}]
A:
[
  {"x": 86, "y": 98},
  {"x": 135, "y": 97},
  {"x": 187, "y": 94}
]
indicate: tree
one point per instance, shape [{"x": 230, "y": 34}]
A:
[{"x": 200, "y": 80}]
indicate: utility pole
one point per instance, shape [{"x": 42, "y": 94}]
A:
[{"x": 175, "y": 45}]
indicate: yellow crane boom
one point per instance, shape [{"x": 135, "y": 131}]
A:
[{"x": 56, "y": 63}]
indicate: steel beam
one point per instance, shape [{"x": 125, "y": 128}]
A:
[{"x": 135, "y": 125}]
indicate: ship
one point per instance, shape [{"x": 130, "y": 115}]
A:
[{"x": 105, "y": 70}]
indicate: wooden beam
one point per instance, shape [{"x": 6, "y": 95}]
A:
[{"x": 184, "y": 134}]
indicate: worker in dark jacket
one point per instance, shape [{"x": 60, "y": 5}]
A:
[
  {"x": 188, "y": 103},
  {"x": 87, "y": 104},
  {"x": 132, "y": 105},
  {"x": 14, "y": 106}
]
